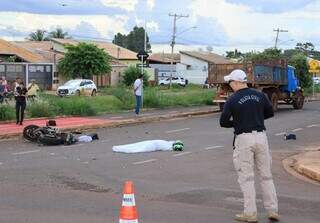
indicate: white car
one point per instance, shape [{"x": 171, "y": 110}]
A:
[
  {"x": 316, "y": 80},
  {"x": 175, "y": 80},
  {"x": 77, "y": 87}
]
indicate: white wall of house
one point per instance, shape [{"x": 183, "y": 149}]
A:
[{"x": 192, "y": 69}]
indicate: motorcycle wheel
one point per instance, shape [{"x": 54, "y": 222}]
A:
[{"x": 29, "y": 133}]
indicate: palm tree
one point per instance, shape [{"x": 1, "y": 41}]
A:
[
  {"x": 59, "y": 34},
  {"x": 38, "y": 35}
]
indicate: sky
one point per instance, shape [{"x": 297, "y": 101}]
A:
[{"x": 221, "y": 24}]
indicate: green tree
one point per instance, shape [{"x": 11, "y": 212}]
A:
[
  {"x": 133, "y": 41},
  {"x": 299, "y": 62},
  {"x": 59, "y": 34},
  {"x": 83, "y": 61},
  {"x": 119, "y": 40},
  {"x": 132, "y": 73},
  {"x": 38, "y": 35},
  {"x": 267, "y": 55},
  {"x": 307, "y": 46},
  {"x": 235, "y": 55}
]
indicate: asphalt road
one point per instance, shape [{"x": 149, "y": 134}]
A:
[{"x": 83, "y": 182}]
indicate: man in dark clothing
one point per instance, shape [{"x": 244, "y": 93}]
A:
[
  {"x": 20, "y": 96},
  {"x": 1, "y": 92},
  {"x": 245, "y": 111}
]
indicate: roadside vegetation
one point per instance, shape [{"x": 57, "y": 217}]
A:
[{"x": 111, "y": 100}]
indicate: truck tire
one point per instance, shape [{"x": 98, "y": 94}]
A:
[
  {"x": 221, "y": 105},
  {"x": 298, "y": 100},
  {"x": 274, "y": 101}
]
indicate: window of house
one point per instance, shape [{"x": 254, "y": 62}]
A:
[
  {"x": 11, "y": 68},
  {"x": 48, "y": 69},
  {"x": 2, "y": 68},
  {"x": 40, "y": 69},
  {"x": 32, "y": 69},
  {"x": 19, "y": 68}
]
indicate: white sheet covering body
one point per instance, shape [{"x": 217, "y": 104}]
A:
[{"x": 145, "y": 146}]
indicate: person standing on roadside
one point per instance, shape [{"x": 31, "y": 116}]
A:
[
  {"x": 245, "y": 111},
  {"x": 20, "y": 96},
  {"x": 138, "y": 89},
  {"x": 33, "y": 90}
]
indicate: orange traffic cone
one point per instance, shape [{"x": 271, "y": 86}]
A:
[{"x": 128, "y": 212}]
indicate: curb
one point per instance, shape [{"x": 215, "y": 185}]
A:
[
  {"x": 308, "y": 171},
  {"x": 127, "y": 122},
  {"x": 303, "y": 167}
]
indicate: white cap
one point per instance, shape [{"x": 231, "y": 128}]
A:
[{"x": 236, "y": 75}]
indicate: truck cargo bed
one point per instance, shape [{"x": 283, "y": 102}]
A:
[{"x": 257, "y": 73}]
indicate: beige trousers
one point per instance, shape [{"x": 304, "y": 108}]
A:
[{"x": 251, "y": 149}]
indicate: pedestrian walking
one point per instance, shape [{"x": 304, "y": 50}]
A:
[
  {"x": 245, "y": 111},
  {"x": 33, "y": 90},
  {"x": 20, "y": 96},
  {"x": 138, "y": 89}
]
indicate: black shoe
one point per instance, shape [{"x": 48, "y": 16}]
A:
[
  {"x": 20, "y": 123},
  {"x": 17, "y": 122}
]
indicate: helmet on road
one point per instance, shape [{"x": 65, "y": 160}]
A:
[{"x": 177, "y": 145}]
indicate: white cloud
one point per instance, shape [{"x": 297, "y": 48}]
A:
[
  {"x": 242, "y": 24},
  {"x": 25, "y": 22},
  {"x": 128, "y": 5},
  {"x": 151, "y": 4},
  {"x": 153, "y": 26}
]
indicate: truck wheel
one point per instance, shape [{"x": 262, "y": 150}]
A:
[
  {"x": 298, "y": 100},
  {"x": 274, "y": 101},
  {"x": 221, "y": 105}
]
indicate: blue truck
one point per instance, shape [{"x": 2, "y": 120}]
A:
[{"x": 276, "y": 79}]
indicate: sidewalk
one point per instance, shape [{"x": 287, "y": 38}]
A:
[
  {"x": 9, "y": 130},
  {"x": 306, "y": 164}
]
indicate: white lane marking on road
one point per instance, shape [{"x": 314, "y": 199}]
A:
[
  {"x": 145, "y": 161},
  {"x": 182, "y": 154},
  {"x": 314, "y": 125},
  {"x": 239, "y": 200},
  {"x": 105, "y": 140},
  {"x": 280, "y": 134},
  {"x": 76, "y": 145},
  {"x": 297, "y": 130},
  {"x": 178, "y": 130},
  {"x": 27, "y": 152},
  {"x": 213, "y": 147}
]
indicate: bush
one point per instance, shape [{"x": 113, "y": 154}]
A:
[
  {"x": 152, "y": 98},
  {"x": 40, "y": 108},
  {"x": 75, "y": 106},
  {"x": 132, "y": 73},
  {"x": 125, "y": 96},
  {"x": 7, "y": 113}
]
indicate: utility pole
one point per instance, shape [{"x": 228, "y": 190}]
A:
[
  {"x": 277, "y": 37},
  {"x": 173, "y": 41}
]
